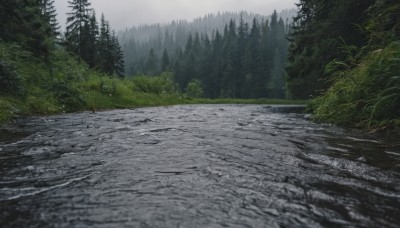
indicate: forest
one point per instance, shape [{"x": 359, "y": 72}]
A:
[
  {"x": 345, "y": 55},
  {"x": 342, "y": 56},
  {"x": 226, "y": 63},
  {"x": 44, "y": 71},
  {"x": 233, "y": 119}
]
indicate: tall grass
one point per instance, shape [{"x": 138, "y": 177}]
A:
[
  {"x": 367, "y": 95},
  {"x": 30, "y": 86}
]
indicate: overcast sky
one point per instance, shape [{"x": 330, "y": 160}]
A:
[{"x": 126, "y": 13}]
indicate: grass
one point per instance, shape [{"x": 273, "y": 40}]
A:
[
  {"x": 366, "y": 96},
  {"x": 67, "y": 85}
]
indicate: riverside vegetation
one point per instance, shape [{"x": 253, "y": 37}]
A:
[
  {"x": 344, "y": 53},
  {"x": 347, "y": 53},
  {"x": 44, "y": 74},
  {"x": 30, "y": 86}
]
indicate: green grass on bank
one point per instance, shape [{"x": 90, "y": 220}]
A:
[
  {"x": 366, "y": 96},
  {"x": 30, "y": 86}
]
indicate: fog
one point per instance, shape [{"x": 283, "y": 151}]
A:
[{"x": 126, "y": 13}]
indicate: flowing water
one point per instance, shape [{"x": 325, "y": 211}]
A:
[{"x": 195, "y": 166}]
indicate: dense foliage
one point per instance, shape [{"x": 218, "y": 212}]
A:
[
  {"x": 244, "y": 61},
  {"x": 368, "y": 95},
  {"x": 41, "y": 73},
  {"x": 45, "y": 72},
  {"x": 348, "y": 52},
  {"x": 29, "y": 87},
  {"x": 98, "y": 47}
]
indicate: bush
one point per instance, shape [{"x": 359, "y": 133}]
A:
[
  {"x": 163, "y": 84},
  {"x": 194, "y": 89},
  {"x": 10, "y": 82},
  {"x": 68, "y": 96},
  {"x": 107, "y": 87}
]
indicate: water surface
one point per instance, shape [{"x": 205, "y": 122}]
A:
[{"x": 195, "y": 166}]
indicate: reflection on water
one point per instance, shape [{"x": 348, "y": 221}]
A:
[{"x": 195, "y": 166}]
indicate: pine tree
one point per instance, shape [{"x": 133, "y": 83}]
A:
[
  {"x": 130, "y": 50},
  {"x": 165, "y": 61},
  {"x": 102, "y": 45},
  {"x": 178, "y": 67},
  {"x": 77, "y": 22},
  {"x": 214, "y": 87},
  {"x": 109, "y": 55},
  {"x": 256, "y": 87},
  {"x": 240, "y": 58},
  {"x": 106, "y": 47},
  {"x": 266, "y": 61},
  {"x": 92, "y": 33},
  {"x": 169, "y": 42},
  {"x": 317, "y": 35},
  {"x": 119, "y": 63},
  {"x": 152, "y": 64},
  {"x": 50, "y": 16},
  {"x": 189, "y": 46}
]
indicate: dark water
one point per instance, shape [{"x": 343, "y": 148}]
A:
[{"x": 195, "y": 166}]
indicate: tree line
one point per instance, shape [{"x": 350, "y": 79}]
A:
[
  {"x": 243, "y": 61},
  {"x": 324, "y": 31},
  {"x": 346, "y": 52},
  {"x": 33, "y": 24},
  {"x": 96, "y": 45}
]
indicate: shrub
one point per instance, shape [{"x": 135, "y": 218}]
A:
[
  {"x": 194, "y": 89},
  {"x": 10, "y": 79},
  {"x": 68, "y": 96},
  {"x": 163, "y": 84},
  {"x": 10, "y": 82}
]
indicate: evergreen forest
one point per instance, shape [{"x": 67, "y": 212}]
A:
[
  {"x": 346, "y": 56},
  {"x": 243, "y": 60},
  {"x": 45, "y": 71},
  {"x": 341, "y": 56}
]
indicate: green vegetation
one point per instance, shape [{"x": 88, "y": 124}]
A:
[
  {"x": 242, "y": 60},
  {"x": 367, "y": 95},
  {"x": 30, "y": 86},
  {"x": 194, "y": 89},
  {"x": 42, "y": 72},
  {"x": 348, "y": 54}
]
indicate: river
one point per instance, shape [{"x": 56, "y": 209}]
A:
[{"x": 195, "y": 166}]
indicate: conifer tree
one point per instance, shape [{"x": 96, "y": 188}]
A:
[
  {"x": 50, "y": 16},
  {"x": 152, "y": 64},
  {"x": 165, "y": 61},
  {"x": 77, "y": 22},
  {"x": 257, "y": 81},
  {"x": 92, "y": 33},
  {"x": 118, "y": 57},
  {"x": 317, "y": 36},
  {"x": 102, "y": 44}
]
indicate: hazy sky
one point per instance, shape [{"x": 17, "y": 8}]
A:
[{"x": 126, "y": 13}]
